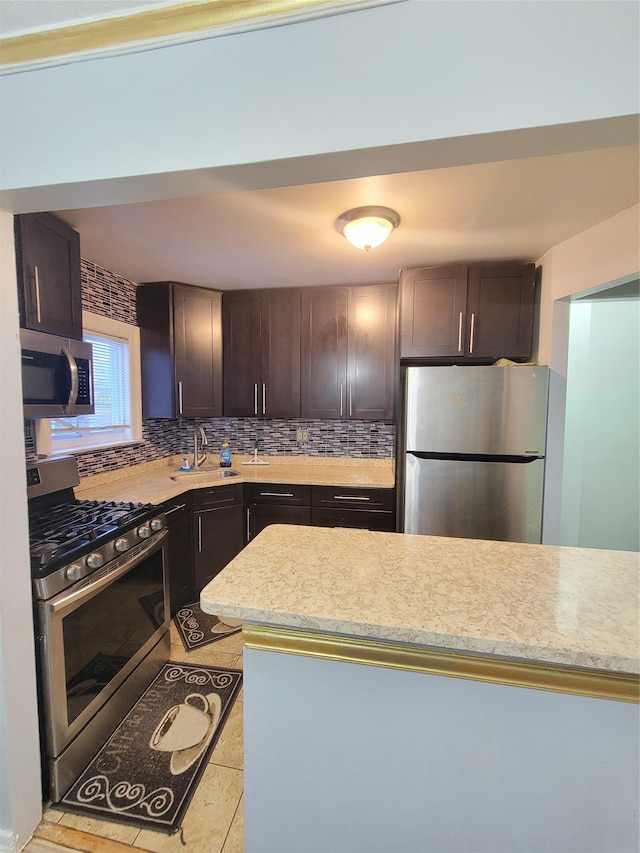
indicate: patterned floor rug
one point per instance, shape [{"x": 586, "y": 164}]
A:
[
  {"x": 197, "y": 628},
  {"x": 147, "y": 772}
]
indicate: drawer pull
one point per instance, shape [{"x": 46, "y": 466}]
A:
[
  {"x": 351, "y": 498},
  {"x": 276, "y": 494},
  {"x": 175, "y": 509}
]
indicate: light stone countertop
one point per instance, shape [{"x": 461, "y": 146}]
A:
[
  {"x": 571, "y": 606},
  {"x": 151, "y": 482}
]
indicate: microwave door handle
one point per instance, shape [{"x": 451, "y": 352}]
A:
[{"x": 73, "y": 393}]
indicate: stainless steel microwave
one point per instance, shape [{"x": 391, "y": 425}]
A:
[{"x": 57, "y": 376}]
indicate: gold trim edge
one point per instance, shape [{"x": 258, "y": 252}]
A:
[
  {"x": 597, "y": 684},
  {"x": 162, "y": 22}
]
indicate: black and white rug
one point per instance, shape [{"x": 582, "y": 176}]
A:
[
  {"x": 147, "y": 772},
  {"x": 197, "y": 628}
]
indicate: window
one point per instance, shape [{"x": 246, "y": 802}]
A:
[{"x": 116, "y": 391}]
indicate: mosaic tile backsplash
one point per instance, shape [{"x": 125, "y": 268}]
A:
[{"x": 110, "y": 295}]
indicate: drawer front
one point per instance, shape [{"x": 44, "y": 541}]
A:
[
  {"x": 217, "y": 496},
  {"x": 358, "y": 518},
  {"x": 262, "y": 515},
  {"x": 349, "y": 498},
  {"x": 277, "y": 493}
]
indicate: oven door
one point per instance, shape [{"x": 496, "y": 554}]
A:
[{"x": 95, "y": 634}]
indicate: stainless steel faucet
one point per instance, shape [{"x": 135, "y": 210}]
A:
[{"x": 199, "y": 454}]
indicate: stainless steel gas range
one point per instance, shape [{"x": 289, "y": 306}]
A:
[{"x": 101, "y": 610}]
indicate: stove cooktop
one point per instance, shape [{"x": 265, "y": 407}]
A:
[
  {"x": 64, "y": 532},
  {"x": 70, "y": 539}
]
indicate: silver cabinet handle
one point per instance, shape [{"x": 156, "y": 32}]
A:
[
  {"x": 37, "y": 282},
  {"x": 350, "y": 399},
  {"x": 264, "y": 398},
  {"x": 460, "y": 332},
  {"x": 73, "y": 392},
  {"x": 200, "y": 533},
  {"x": 351, "y": 498},
  {"x": 179, "y": 398},
  {"x": 248, "y": 525},
  {"x": 473, "y": 324},
  {"x": 341, "y": 399},
  {"x": 276, "y": 494},
  {"x": 174, "y": 509},
  {"x": 255, "y": 398}
]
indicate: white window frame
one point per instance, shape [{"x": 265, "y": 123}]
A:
[{"x": 99, "y": 325}]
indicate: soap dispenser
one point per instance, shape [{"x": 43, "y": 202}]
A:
[{"x": 225, "y": 455}]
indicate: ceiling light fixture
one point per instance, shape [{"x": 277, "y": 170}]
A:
[{"x": 367, "y": 227}]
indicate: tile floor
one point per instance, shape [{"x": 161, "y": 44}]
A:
[{"x": 213, "y": 822}]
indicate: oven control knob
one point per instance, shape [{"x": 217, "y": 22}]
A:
[
  {"x": 95, "y": 560},
  {"x": 144, "y": 532},
  {"x": 121, "y": 544},
  {"x": 73, "y": 573},
  {"x": 156, "y": 524}
]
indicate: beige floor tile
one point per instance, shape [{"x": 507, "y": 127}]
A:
[
  {"x": 208, "y": 819},
  {"x": 174, "y": 636},
  {"x": 211, "y": 656},
  {"x": 52, "y": 815},
  {"x": 229, "y": 750},
  {"x": 104, "y": 828},
  {"x": 232, "y": 643},
  {"x": 234, "y": 842}
]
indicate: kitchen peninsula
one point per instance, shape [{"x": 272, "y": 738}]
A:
[{"x": 417, "y": 693}]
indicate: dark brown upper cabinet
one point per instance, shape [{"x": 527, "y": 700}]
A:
[
  {"x": 348, "y": 352},
  {"x": 461, "y": 313},
  {"x": 48, "y": 268},
  {"x": 261, "y": 334},
  {"x": 180, "y": 350}
]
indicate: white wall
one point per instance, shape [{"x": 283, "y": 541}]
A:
[
  {"x": 407, "y": 86},
  {"x": 601, "y": 483},
  {"x": 20, "y": 796},
  {"x": 607, "y": 254}
]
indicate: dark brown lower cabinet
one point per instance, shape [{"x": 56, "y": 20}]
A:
[
  {"x": 366, "y": 509},
  {"x": 276, "y": 503},
  {"x": 218, "y": 530},
  {"x": 209, "y": 527},
  {"x": 179, "y": 550}
]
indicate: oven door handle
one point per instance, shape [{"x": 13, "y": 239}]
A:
[{"x": 90, "y": 588}]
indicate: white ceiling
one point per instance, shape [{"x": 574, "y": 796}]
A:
[
  {"x": 285, "y": 236},
  {"x": 510, "y": 210}
]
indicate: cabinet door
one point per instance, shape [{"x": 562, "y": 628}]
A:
[
  {"x": 432, "y": 312},
  {"x": 500, "y": 311},
  {"x": 371, "y": 373},
  {"x": 48, "y": 267},
  {"x": 280, "y": 348},
  {"x": 324, "y": 352},
  {"x": 242, "y": 353},
  {"x": 180, "y": 550},
  {"x": 260, "y": 516},
  {"x": 197, "y": 327},
  {"x": 219, "y": 536}
]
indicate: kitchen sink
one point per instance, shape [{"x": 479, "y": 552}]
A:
[{"x": 207, "y": 473}]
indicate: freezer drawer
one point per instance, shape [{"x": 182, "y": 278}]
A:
[
  {"x": 474, "y": 499},
  {"x": 477, "y": 410}
]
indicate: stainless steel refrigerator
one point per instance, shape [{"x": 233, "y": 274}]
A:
[{"x": 473, "y": 451}]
